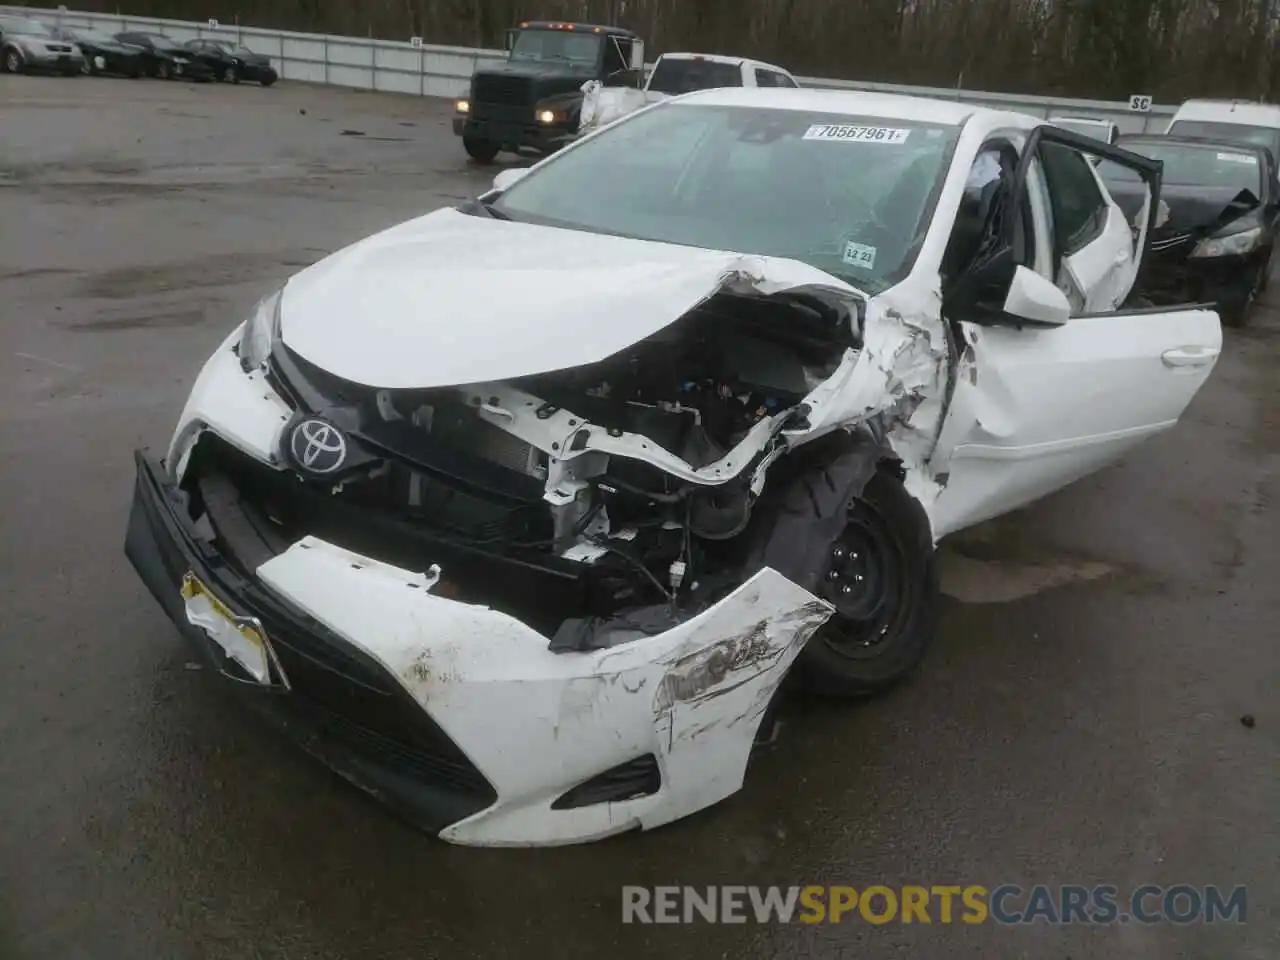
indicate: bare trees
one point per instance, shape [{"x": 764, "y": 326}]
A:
[{"x": 1104, "y": 48}]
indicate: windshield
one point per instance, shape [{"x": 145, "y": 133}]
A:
[
  {"x": 849, "y": 195},
  {"x": 682, "y": 75},
  {"x": 25, "y": 28},
  {"x": 165, "y": 43},
  {"x": 1246, "y": 133},
  {"x": 1192, "y": 166},
  {"x": 555, "y": 46},
  {"x": 234, "y": 49},
  {"x": 91, "y": 36}
]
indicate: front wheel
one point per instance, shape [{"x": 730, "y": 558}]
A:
[
  {"x": 479, "y": 149},
  {"x": 1237, "y": 315},
  {"x": 13, "y": 62},
  {"x": 162, "y": 71},
  {"x": 230, "y": 76},
  {"x": 871, "y": 556}
]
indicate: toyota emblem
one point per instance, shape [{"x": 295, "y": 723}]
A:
[{"x": 318, "y": 447}]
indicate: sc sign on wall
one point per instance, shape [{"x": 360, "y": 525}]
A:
[{"x": 1140, "y": 103}]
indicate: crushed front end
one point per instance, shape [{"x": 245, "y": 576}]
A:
[{"x": 505, "y": 645}]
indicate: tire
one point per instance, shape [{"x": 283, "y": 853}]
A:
[
  {"x": 481, "y": 150},
  {"x": 162, "y": 71},
  {"x": 87, "y": 67},
  {"x": 13, "y": 62},
  {"x": 878, "y": 568},
  {"x": 1237, "y": 316},
  {"x": 268, "y": 82},
  {"x": 1266, "y": 271},
  {"x": 230, "y": 76}
]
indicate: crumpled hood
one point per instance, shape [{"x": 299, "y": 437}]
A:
[
  {"x": 1191, "y": 209},
  {"x": 450, "y": 298}
]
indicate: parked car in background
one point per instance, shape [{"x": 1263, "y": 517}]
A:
[
  {"x": 103, "y": 53},
  {"x": 165, "y": 58},
  {"x": 672, "y": 75},
  {"x": 30, "y": 45},
  {"x": 1229, "y": 120},
  {"x": 232, "y": 62},
  {"x": 1099, "y": 129},
  {"x": 1219, "y": 238}
]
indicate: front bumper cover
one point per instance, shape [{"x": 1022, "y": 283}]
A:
[
  {"x": 1224, "y": 281},
  {"x": 477, "y": 730},
  {"x": 49, "y": 60},
  {"x": 514, "y": 135}
]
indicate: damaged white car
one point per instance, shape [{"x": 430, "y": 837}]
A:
[{"x": 518, "y": 514}]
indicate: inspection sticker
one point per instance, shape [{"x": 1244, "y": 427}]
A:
[
  {"x": 1239, "y": 158},
  {"x": 859, "y": 255},
  {"x": 850, "y": 134}
]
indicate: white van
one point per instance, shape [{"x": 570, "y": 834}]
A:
[{"x": 1244, "y": 120}]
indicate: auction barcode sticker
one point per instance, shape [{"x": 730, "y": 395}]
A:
[
  {"x": 1239, "y": 158},
  {"x": 851, "y": 134}
]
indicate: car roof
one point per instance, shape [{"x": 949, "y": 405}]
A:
[
  {"x": 1098, "y": 120},
  {"x": 1229, "y": 111},
  {"x": 575, "y": 27},
  {"x": 853, "y": 102},
  {"x": 722, "y": 58},
  {"x": 1237, "y": 146}
]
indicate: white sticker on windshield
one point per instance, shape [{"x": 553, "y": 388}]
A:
[
  {"x": 859, "y": 255},
  {"x": 1239, "y": 158},
  {"x": 849, "y": 134}
]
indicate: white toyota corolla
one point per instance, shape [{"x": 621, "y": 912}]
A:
[{"x": 517, "y": 514}]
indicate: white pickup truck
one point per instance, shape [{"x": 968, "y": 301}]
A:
[{"x": 672, "y": 74}]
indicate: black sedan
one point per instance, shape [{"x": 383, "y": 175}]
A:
[
  {"x": 233, "y": 62},
  {"x": 103, "y": 54},
  {"x": 164, "y": 57},
  {"x": 1216, "y": 232}
]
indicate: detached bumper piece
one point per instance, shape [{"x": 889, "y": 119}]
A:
[{"x": 333, "y": 700}]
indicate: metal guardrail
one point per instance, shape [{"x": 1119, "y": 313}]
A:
[{"x": 442, "y": 71}]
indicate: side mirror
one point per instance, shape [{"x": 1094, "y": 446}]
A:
[
  {"x": 508, "y": 178},
  {"x": 1034, "y": 299}
]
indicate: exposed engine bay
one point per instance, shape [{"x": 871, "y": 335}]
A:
[{"x": 446, "y": 463}]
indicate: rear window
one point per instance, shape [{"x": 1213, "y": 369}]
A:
[
  {"x": 1193, "y": 166},
  {"x": 674, "y": 76},
  {"x": 1240, "y": 132}
]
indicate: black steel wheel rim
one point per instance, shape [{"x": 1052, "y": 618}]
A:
[{"x": 867, "y": 580}]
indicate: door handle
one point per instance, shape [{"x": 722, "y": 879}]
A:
[{"x": 1189, "y": 356}]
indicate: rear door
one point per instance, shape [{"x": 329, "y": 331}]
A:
[
  {"x": 1095, "y": 251},
  {"x": 1034, "y": 409}
]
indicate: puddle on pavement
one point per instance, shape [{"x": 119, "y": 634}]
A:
[
  {"x": 971, "y": 580},
  {"x": 993, "y": 563}
]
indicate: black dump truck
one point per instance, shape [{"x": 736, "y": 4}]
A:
[{"x": 533, "y": 101}]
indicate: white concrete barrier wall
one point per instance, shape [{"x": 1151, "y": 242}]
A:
[{"x": 440, "y": 71}]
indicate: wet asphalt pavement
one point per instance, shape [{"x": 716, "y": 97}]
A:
[{"x": 1079, "y": 720}]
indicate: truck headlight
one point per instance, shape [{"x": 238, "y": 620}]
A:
[
  {"x": 462, "y": 106},
  {"x": 260, "y": 332},
  {"x": 546, "y": 116},
  {"x": 1232, "y": 245}
]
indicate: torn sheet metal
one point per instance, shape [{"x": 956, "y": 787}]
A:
[{"x": 538, "y": 723}]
